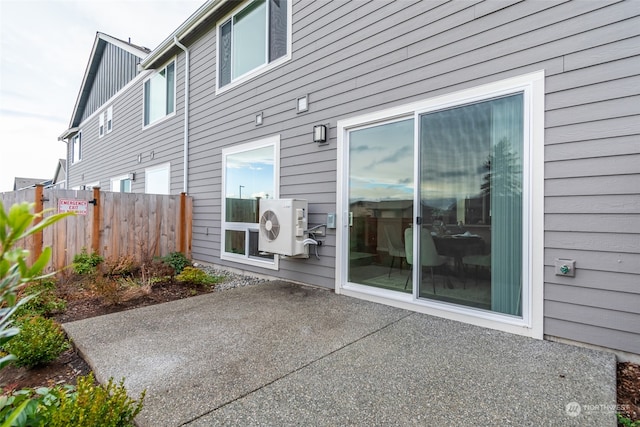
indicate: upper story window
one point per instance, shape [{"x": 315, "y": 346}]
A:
[
  {"x": 76, "y": 148},
  {"x": 109, "y": 119},
  {"x": 252, "y": 38},
  {"x": 159, "y": 94},
  {"x": 101, "y": 125}
]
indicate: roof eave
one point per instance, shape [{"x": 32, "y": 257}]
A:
[
  {"x": 109, "y": 39},
  {"x": 187, "y": 27},
  {"x": 68, "y": 133}
]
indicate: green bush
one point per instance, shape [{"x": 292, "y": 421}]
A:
[
  {"x": 95, "y": 405},
  {"x": 85, "y": 263},
  {"x": 86, "y": 405},
  {"x": 43, "y": 302},
  {"x": 195, "y": 276},
  {"x": 177, "y": 260},
  {"x": 626, "y": 421},
  {"x": 40, "y": 341},
  {"x": 36, "y": 405}
]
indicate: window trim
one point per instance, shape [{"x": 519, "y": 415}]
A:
[
  {"x": 262, "y": 68},
  {"x": 101, "y": 127},
  {"x": 273, "y": 141},
  {"x": 118, "y": 179},
  {"x": 531, "y": 323},
  {"x": 155, "y": 168},
  {"x": 175, "y": 86},
  {"x": 109, "y": 121},
  {"x": 78, "y": 137}
]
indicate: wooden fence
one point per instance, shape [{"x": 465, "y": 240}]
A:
[{"x": 112, "y": 225}]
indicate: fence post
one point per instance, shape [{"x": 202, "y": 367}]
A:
[
  {"x": 37, "y": 237},
  {"x": 95, "y": 233},
  {"x": 183, "y": 223}
]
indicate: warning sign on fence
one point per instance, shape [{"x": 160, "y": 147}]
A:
[{"x": 80, "y": 207}]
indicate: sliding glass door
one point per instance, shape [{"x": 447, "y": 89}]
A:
[
  {"x": 471, "y": 166},
  {"x": 381, "y": 193},
  {"x": 464, "y": 206}
]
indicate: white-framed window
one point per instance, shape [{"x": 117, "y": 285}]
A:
[
  {"x": 159, "y": 94},
  {"x": 460, "y": 189},
  {"x": 110, "y": 119},
  {"x": 157, "y": 179},
  {"x": 252, "y": 39},
  {"x": 250, "y": 172},
  {"x": 121, "y": 184},
  {"x": 76, "y": 148},
  {"x": 101, "y": 125}
]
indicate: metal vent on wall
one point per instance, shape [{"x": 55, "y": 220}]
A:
[{"x": 269, "y": 225}]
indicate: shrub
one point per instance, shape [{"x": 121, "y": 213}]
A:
[
  {"x": 177, "y": 260},
  {"x": 195, "y": 276},
  {"x": 108, "y": 288},
  {"x": 40, "y": 341},
  {"x": 85, "y": 263},
  {"x": 157, "y": 269},
  {"x": 36, "y": 405},
  {"x": 17, "y": 224},
  {"x": 86, "y": 405},
  {"x": 95, "y": 405},
  {"x": 43, "y": 301},
  {"x": 121, "y": 266}
]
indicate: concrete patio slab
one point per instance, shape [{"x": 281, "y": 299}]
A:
[{"x": 285, "y": 354}]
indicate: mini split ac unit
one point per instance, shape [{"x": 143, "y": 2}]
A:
[{"x": 282, "y": 227}]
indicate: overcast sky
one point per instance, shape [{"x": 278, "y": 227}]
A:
[{"x": 44, "y": 50}]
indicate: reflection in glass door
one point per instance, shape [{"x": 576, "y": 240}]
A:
[
  {"x": 381, "y": 193},
  {"x": 471, "y": 162}
]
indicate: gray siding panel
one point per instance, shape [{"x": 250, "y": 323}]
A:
[
  {"x": 611, "y": 338},
  {"x": 357, "y": 57},
  {"x": 117, "y": 68},
  {"x": 369, "y": 62},
  {"x": 116, "y": 153}
]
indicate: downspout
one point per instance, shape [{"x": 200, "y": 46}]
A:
[{"x": 186, "y": 114}]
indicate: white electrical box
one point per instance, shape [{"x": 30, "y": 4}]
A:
[{"x": 283, "y": 223}]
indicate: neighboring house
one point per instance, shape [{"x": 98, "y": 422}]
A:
[
  {"x": 58, "y": 181},
  {"x": 508, "y": 130},
  {"x": 24, "y": 183},
  {"x": 60, "y": 176},
  {"x": 98, "y": 120}
]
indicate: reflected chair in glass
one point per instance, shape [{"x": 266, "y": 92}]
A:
[
  {"x": 478, "y": 261},
  {"x": 393, "y": 241},
  {"x": 429, "y": 256}
]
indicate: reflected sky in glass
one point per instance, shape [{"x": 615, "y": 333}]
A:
[
  {"x": 381, "y": 162},
  {"x": 455, "y": 144},
  {"x": 253, "y": 170}
]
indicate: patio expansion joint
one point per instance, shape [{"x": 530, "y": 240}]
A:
[{"x": 300, "y": 368}]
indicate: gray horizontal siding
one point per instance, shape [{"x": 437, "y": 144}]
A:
[
  {"x": 116, "y": 153},
  {"x": 584, "y": 332},
  {"x": 374, "y": 55},
  {"x": 357, "y": 57}
]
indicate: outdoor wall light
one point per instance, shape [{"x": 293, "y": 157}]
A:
[
  {"x": 132, "y": 176},
  {"x": 320, "y": 134},
  {"x": 258, "y": 119}
]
